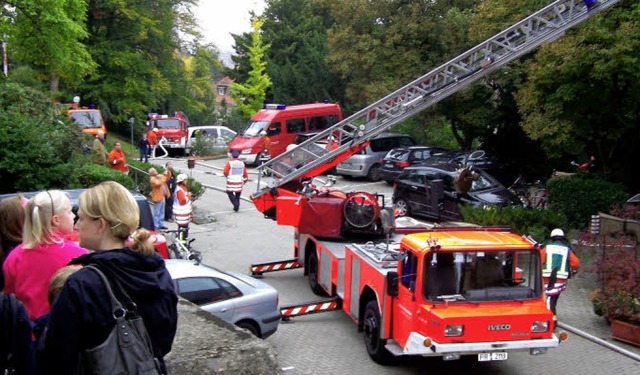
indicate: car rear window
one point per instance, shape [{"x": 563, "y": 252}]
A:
[
  {"x": 399, "y": 154},
  {"x": 388, "y": 143}
]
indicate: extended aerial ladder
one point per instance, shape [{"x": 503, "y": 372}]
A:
[{"x": 310, "y": 159}]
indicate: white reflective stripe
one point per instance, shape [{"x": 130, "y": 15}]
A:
[{"x": 563, "y": 252}]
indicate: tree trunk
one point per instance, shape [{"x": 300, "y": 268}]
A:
[{"x": 54, "y": 83}]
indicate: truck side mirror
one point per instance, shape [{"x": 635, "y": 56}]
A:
[{"x": 392, "y": 284}]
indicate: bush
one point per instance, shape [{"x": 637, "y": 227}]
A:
[
  {"x": 195, "y": 188},
  {"x": 39, "y": 147},
  {"x": 579, "y": 196},
  {"x": 202, "y": 146},
  {"x": 93, "y": 174},
  {"x": 532, "y": 222}
]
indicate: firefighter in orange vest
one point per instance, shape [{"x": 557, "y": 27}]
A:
[
  {"x": 264, "y": 146},
  {"x": 236, "y": 173},
  {"x": 558, "y": 264},
  {"x": 153, "y": 141},
  {"x": 117, "y": 160}
]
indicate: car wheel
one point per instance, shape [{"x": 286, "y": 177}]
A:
[
  {"x": 249, "y": 326},
  {"x": 401, "y": 207},
  {"x": 374, "y": 173},
  {"x": 313, "y": 275},
  {"x": 371, "y": 327}
]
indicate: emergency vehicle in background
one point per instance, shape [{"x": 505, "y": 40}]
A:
[
  {"x": 427, "y": 291},
  {"x": 282, "y": 124},
  {"x": 172, "y": 131},
  {"x": 88, "y": 118}
]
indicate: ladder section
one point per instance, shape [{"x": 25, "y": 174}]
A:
[{"x": 352, "y": 133}]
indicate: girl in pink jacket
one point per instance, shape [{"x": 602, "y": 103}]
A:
[{"x": 44, "y": 250}]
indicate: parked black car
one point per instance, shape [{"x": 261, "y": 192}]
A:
[
  {"x": 435, "y": 191},
  {"x": 399, "y": 158},
  {"x": 503, "y": 171}
]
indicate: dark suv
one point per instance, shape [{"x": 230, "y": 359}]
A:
[
  {"x": 399, "y": 158},
  {"x": 434, "y": 192}
]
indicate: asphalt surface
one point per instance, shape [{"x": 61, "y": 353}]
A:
[{"x": 232, "y": 241}]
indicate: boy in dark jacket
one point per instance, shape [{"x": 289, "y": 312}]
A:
[{"x": 143, "y": 146}]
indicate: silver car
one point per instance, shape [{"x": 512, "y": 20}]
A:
[{"x": 239, "y": 299}]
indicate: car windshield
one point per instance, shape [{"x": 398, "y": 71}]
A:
[
  {"x": 397, "y": 154},
  {"x": 483, "y": 181},
  {"x": 478, "y": 276},
  {"x": 254, "y": 128},
  {"x": 168, "y": 124},
  {"x": 87, "y": 119}
]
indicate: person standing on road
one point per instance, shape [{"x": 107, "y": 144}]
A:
[
  {"x": 153, "y": 141},
  {"x": 264, "y": 145},
  {"x": 44, "y": 250},
  {"x": 182, "y": 204},
  {"x": 99, "y": 153},
  {"x": 81, "y": 316},
  {"x": 143, "y": 146},
  {"x": 159, "y": 192},
  {"x": 236, "y": 174},
  {"x": 558, "y": 264},
  {"x": 171, "y": 184},
  {"x": 117, "y": 160}
]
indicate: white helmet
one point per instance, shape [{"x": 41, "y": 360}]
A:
[
  {"x": 291, "y": 146},
  {"x": 557, "y": 233},
  {"x": 264, "y": 132},
  {"x": 181, "y": 177},
  {"x": 155, "y": 129}
]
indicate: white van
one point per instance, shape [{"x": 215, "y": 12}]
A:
[{"x": 219, "y": 135}]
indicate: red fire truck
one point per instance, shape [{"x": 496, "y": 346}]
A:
[
  {"x": 172, "y": 131},
  {"x": 441, "y": 291}
]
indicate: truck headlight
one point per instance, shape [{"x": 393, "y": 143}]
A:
[
  {"x": 453, "y": 330},
  {"x": 540, "y": 326},
  {"x": 246, "y": 151}
]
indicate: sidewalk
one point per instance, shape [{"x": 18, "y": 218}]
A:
[{"x": 575, "y": 309}]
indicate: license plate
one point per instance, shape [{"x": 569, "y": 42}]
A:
[{"x": 498, "y": 356}]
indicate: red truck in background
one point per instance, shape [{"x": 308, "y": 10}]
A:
[{"x": 172, "y": 131}]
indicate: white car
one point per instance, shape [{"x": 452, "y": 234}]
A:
[
  {"x": 239, "y": 299},
  {"x": 219, "y": 135}
]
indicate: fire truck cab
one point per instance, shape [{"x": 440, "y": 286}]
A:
[
  {"x": 444, "y": 292},
  {"x": 172, "y": 130}
]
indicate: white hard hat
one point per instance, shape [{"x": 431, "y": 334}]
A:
[
  {"x": 557, "y": 233},
  {"x": 155, "y": 129},
  {"x": 264, "y": 132},
  {"x": 181, "y": 177},
  {"x": 291, "y": 146}
]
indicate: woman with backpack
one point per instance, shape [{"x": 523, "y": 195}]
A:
[{"x": 82, "y": 316}]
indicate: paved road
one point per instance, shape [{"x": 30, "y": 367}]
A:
[{"x": 328, "y": 343}]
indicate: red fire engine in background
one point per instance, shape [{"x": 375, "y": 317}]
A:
[
  {"x": 172, "y": 131},
  {"x": 438, "y": 291}
]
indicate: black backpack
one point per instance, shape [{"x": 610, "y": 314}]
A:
[{"x": 16, "y": 344}]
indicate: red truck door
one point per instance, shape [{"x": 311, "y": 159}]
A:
[{"x": 404, "y": 305}]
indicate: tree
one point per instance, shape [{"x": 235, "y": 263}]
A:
[
  {"x": 48, "y": 35},
  {"x": 582, "y": 97},
  {"x": 251, "y": 94},
  {"x": 297, "y": 33}
]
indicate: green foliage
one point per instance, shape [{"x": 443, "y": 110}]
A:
[
  {"x": 195, "y": 188},
  {"x": 531, "y": 222},
  {"x": 202, "y": 146},
  {"x": 91, "y": 174},
  {"x": 39, "y": 149},
  {"x": 251, "y": 94},
  {"x": 579, "y": 196}
]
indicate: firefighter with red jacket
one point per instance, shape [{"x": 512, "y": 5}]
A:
[
  {"x": 264, "y": 145},
  {"x": 558, "y": 264},
  {"x": 236, "y": 173}
]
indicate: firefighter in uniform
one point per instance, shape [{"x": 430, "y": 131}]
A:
[
  {"x": 182, "y": 204},
  {"x": 236, "y": 174},
  {"x": 264, "y": 145},
  {"x": 558, "y": 264}
]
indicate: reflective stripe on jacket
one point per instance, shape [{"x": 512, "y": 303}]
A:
[
  {"x": 236, "y": 175},
  {"x": 182, "y": 212},
  {"x": 557, "y": 258}
]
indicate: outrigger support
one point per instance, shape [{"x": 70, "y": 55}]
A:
[
  {"x": 288, "y": 312},
  {"x": 281, "y": 265}
]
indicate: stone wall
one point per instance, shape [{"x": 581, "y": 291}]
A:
[{"x": 205, "y": 344}]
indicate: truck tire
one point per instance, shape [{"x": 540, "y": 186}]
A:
[
  {"x": 313, "y": 275},
  {"x": 371, "y": 327}
]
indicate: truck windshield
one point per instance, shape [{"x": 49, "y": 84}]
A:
[
  {"x": 87, "y": 119},
  {"x": 477, "y": 276},
  {"x": 168, "y": 124},
  {"x": 254, "y": 128}
]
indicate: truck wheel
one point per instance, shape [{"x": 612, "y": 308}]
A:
[
  {"x": 402, "y": 207},
  {"x": 371, "y": 324},
  {"x": 313, "y": 275}
]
